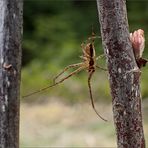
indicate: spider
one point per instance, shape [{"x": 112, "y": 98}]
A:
[{"x": 88, "y": 63}]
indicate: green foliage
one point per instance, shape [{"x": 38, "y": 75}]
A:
[{"x": 53, "y": 33}]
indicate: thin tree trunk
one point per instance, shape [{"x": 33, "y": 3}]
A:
[
  {"x": 125, "y": 87},
  {"x": 10, "y": 64}
]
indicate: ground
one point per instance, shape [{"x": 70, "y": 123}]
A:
[{"x": 57, "y": 124}]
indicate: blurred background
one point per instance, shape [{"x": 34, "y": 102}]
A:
[{"x": 63, "y": 116}]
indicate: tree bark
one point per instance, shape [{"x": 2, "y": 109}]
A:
[
  {"x": 10, "y": 65},
  {"x": 125, "y": 85}
]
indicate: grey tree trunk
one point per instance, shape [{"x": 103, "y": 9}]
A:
[
  {"x": 10, "y": 65},
  {"x": 125, "y": 87}
]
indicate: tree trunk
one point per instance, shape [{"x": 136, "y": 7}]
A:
[
  {"x": 125, "y": 85},
  {"x": 10, "y": 65}
]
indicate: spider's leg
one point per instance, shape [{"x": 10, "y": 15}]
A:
[
  {"x": 100, "y": 56},
  {"x": 85, "y": 54},
  {"x": 65, "y": 69},
  {"x": 91, "y": 96},
  {"x": 83, "y": 58},
  {"x": 60, "y": 81},
  {"x": 101, "y": 68},
  {"x": 93, "y": 38},
  {"x": 71, "y": 74},
  {"x": 134, "y": 70}
]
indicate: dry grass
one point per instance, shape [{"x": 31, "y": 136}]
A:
[{"x": 55, "y": 124}]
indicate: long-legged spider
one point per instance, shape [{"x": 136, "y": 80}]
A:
[{"x": 89, "y": 64}]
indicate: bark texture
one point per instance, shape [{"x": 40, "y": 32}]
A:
[
  {"x": 10, "y": 64},
  {"x": 125, "y": 85}
]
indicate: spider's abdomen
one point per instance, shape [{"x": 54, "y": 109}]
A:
[{"x": 91, "y": 62}]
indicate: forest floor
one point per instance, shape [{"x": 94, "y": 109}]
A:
[{"x": 56, "y": 124}]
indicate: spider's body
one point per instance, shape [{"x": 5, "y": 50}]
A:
[
  {"x": 88, "y": 64},
  {"x": 89, "y": 56}
]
